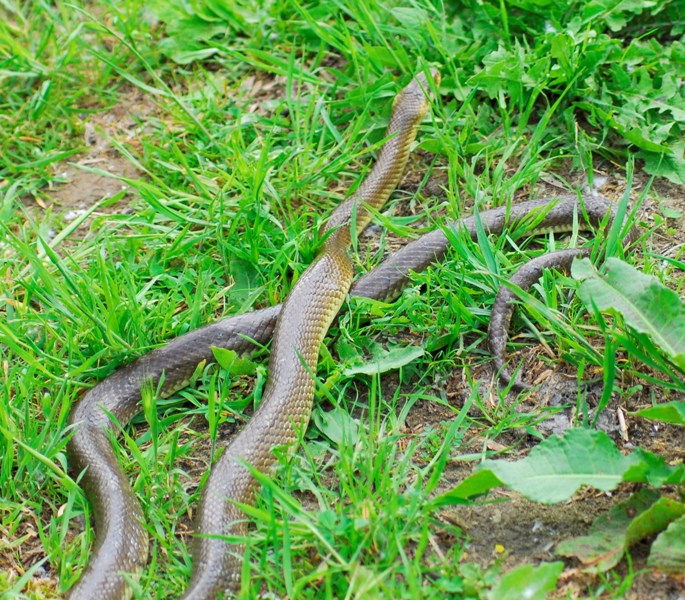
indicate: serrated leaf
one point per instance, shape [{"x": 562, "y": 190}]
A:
[
  {"x": 557, "y": 467},
  {"x": 527, "y": 581},
  {"x": 652, "y": 469},
  {"x": 645, "y": 303},
  {"x": 386, "y": 360},
  {"x": 669, "y": 412},
  {"x": 666, "y": 164},
  {"x": 612, "y": 533},
  {"x": 668, "y": 550},
  {"x": 553, "y": 471},
  {"x": 634, "y": 135}
]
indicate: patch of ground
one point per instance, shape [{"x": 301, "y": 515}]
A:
[
  {"x": 508, "y": 530},
  {"x": 20, "y": 550},
  {"x": 98, "y": 173},
  {"x": 512, "y": 530},
  {"x": 517, "y": 531}
]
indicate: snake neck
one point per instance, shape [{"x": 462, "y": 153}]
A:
[{"x": 409, "y": 109}]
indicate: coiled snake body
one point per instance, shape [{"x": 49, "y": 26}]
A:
[{"x": 298, "y": 328}]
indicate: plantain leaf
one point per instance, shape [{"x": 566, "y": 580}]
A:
[{"x": 645, "y": 303}]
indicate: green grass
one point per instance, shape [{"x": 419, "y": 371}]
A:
[{"x": 223, "y": 218}]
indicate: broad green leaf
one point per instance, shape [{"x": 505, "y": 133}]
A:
[
  {"x": 557, "y": 467},
  {"x": 527, "y": 581},
  {"x": 337, "y": 425},
  {"x": 231, "y": 362},
  {"x": 670, "y": 412},
  {"x": 666, "y": 164},
  {"x": 668, "y": 550},
  {"x": 612, "y": 533},
  {"x": 670, "y": 212},
  {"x": 554, "y": 470},
  {"x": 656, "y": 518},
  {"x": 386, "y": 360},
  {"x": 644, "y": 302},
  {"x": 245, "y": 282},
  {"x": 652, "y": 469}
]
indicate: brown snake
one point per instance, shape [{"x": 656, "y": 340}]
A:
[{"x": 298, "y": 328}]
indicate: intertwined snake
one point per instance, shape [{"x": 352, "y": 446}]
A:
[{"x": 298, "y": 329}]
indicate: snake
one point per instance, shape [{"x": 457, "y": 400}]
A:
[{"x": 298, "y": 328}]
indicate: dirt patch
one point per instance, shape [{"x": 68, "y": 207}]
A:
[
  {"x": 515, "y": 531},
  {"x": 100, "y": 171}
]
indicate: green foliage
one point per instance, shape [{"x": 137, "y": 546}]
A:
[
  {"x": 645, "y": 304},
  {"x": 643, "y": 515},
  {"x": 232, "y": 363},
  {"x": 526, "y": 581},
  {"x": 271, "y": 111},
  {"x": 669, "y": 412},
  {"x": 668, "y": 550},
  {"x": 557, "y": 467},
  {"x": 383, "y": 361},
  {"x": 611, "y": 83}
]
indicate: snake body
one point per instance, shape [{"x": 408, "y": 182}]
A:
[
  {"x": 298, "y": 328},
  {"x": 280, "y": 419},
  {"x": 305, "y": 317}
]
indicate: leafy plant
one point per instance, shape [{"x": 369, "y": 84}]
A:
[
  {"x": 610, "y": 84},
  {"x": 559, "y": 466},
  {"x": 669, "y": 412},
  {"x": 646, "y": 305},
  {"x": 645, "y": 514},
  {"x": 526, "y": 581}
]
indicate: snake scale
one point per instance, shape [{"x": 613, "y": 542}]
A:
[{"x": 298, "y": 328}]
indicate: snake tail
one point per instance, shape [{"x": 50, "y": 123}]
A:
[
  {"x": 505, "y": 303},
  {"x": 597, "y": 211}
]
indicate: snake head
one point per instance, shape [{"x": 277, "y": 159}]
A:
[{"x": 414, "y": 99}]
